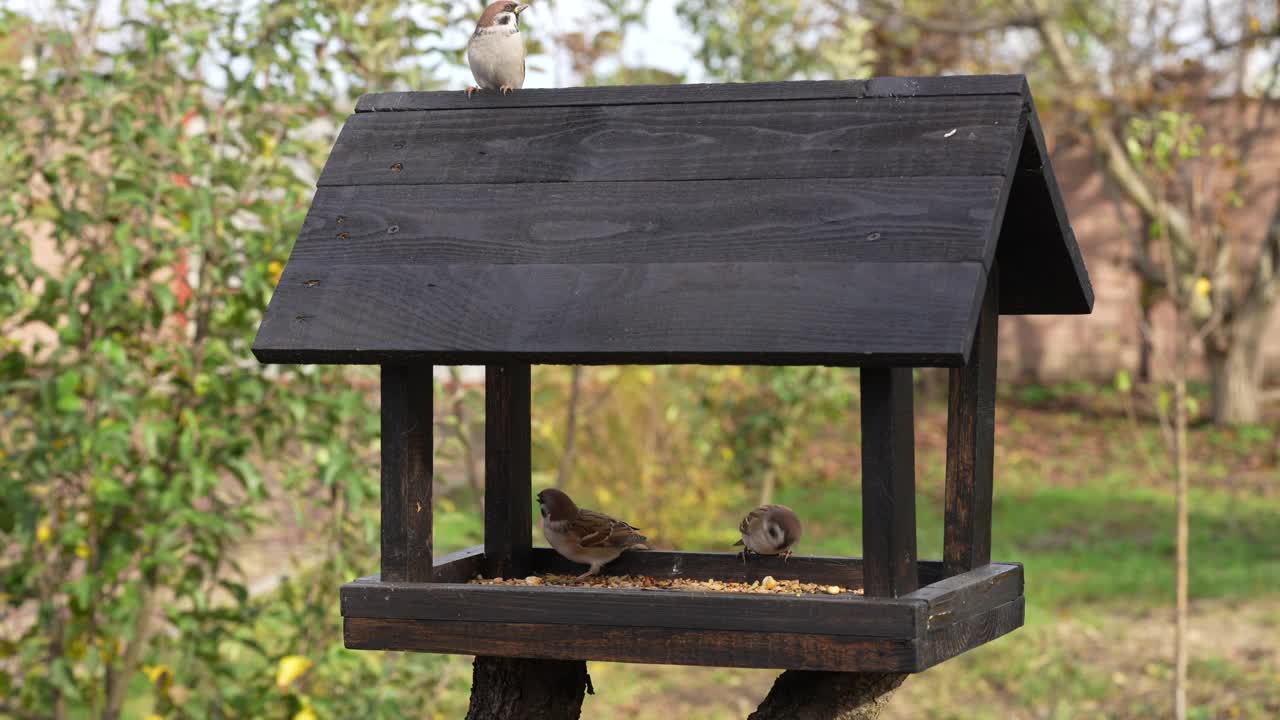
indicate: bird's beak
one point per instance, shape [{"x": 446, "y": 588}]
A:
[{"x": 521, "y": 8}]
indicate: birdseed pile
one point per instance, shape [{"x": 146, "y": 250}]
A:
[{"x": 766, "y": 586}]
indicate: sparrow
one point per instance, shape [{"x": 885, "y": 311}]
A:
[
  {"x": 495, "y": 51},
  {"x": 769, "y": 530},
  {"x": 585, "y": 536}
]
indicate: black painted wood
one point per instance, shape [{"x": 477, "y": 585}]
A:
[
  {"x": 930, "y": 136},
  {"x": 508, "y": 489},
  {"x": 846, "y": 572},
  {"x": 886, "y": 87},
  {"x": 1044, "y": 270},
  {"x": 888, "y": 482},
  {"x": 749, "y": 313},
  {"x": 905, "y": 634},
  {"x": 406, "y": 472},
  {"x": 971, "y": 426},
  {"x": 963, "y": 596},
  {"x": 955, "y": 638},
  {"x": 739, "y": 648},
  {"x": 873, "y": 220},
  {"x": 845, "y": 614}
]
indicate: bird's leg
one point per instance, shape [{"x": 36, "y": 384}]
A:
[
  {"x": 786, "y": 555},
  {"x": 506, "y": 89},
  {"x": 590, "y": 571},
  {"x": 471, "y": 89}
]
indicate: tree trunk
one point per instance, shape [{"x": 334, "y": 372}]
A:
[
  {"x": 511, "y": 688},
  {"x": 828, "y": 696},
  {"x": 1235, "y": 372}
]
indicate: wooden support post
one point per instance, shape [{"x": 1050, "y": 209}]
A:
[
  {"x": 406, "y": 473},
  {"x": 888, "y": 483},
  {"x": 971, "y": 430},
  {"x": 508, "y": 490}
]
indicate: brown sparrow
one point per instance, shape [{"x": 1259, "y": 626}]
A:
[
  {"x": 495, "y": 51},
  {"x": 585, "y": 536},
  {"x": 769, "y": 530}
]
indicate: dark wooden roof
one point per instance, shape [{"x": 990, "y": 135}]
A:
[{"x": 843, "y": 223}]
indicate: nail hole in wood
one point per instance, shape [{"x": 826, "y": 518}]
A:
[
  {"x": 873, "y": 236},
  {"x": 397, "y": 167},
  {"x": 343, "y": 236},
  {"x": 342, "y": 219},
  {"x": 393, "y": 229},
  {"x": 311, "y": 283}
]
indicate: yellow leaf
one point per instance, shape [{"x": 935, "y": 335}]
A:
[
  {"x": 305, "y": 713},
  {"x": 82, "y": 550},
  {"x": 44, "y": 533},
  {"x": 154, "y": 716},
  {"x": 603, "y": 495},
  {"x": 1203, "y": 286},
  {"x": 291, "y": 668},
  {"x": 274, "y": 268},
  {"x": 161, "y": 675}
]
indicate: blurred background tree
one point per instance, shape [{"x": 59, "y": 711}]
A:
[
  {"x": 162, "y": 156},
  {"x": 1099, "y": 65}
]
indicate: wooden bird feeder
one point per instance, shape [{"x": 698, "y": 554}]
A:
[{"x": 883, "y": 224}]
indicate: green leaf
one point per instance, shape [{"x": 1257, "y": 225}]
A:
[{"x": 66, "y": 388}]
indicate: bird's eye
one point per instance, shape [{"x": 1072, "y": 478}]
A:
[{"x": 543, "y": 509}]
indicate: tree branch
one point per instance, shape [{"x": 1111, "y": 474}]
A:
[
  {"x": 1116, "y": 161},
  {"x": 959, "y": 27},
  {"x": 828, "y": 696}
]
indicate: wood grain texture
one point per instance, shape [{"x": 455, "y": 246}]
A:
[
  {"x": 888, "y": 482},
  {"x": 406, "y": 472},
  {"x": 508, "y": 489},
  {"x": 455, "y": 567},
  {"x": 507, "y": 688},
  {"x": 1044, "y": 270},
  {"x": 928, "y": 136},
  {"x": 842, "y": 571},
  {"x": 845, "y": 572},
  {"x": 667, "y": 646},
  {"x": 699, "y": 93},
  {"x": 824, "y": 614},
  {"x": 961, "y": 597},
  {"x": 971, "y": 427},
  {"x": 872, "y": 220},
  {"x": 748, "y": 313},
  {"x": 953, "y": 639}
]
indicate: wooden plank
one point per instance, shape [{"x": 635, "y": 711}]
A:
[
  {"x": 508, "y": 489},
  {"x": 635, "y": 644},
  {"x": 960, "y": 597},
  {"x": 845, "y": 572},
  {"x": 927, "y": 136},
  {"x": 888, "y": 482},
  {"x": 971, "y": 427},
  {"x": 698, "y": 93},
  {"x": 749, "y": 313},
  {"x": 1044, "y": 270},
  {"x": 464, "y": 565},
  {"x": 953, "y": 639},
  {"x": 458, "y": 566},
  {"x": 825, "y": 614},
  {"x": 868, "y": 220},
  {"x": 406, "y": 472}
]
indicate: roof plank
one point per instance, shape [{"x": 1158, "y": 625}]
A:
[
  {"x": 873, "y": 220},
  {"x": 749, "y": 313},
  {"x": 697, "y": 93},
  {"x": 933, "y": 136}
]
